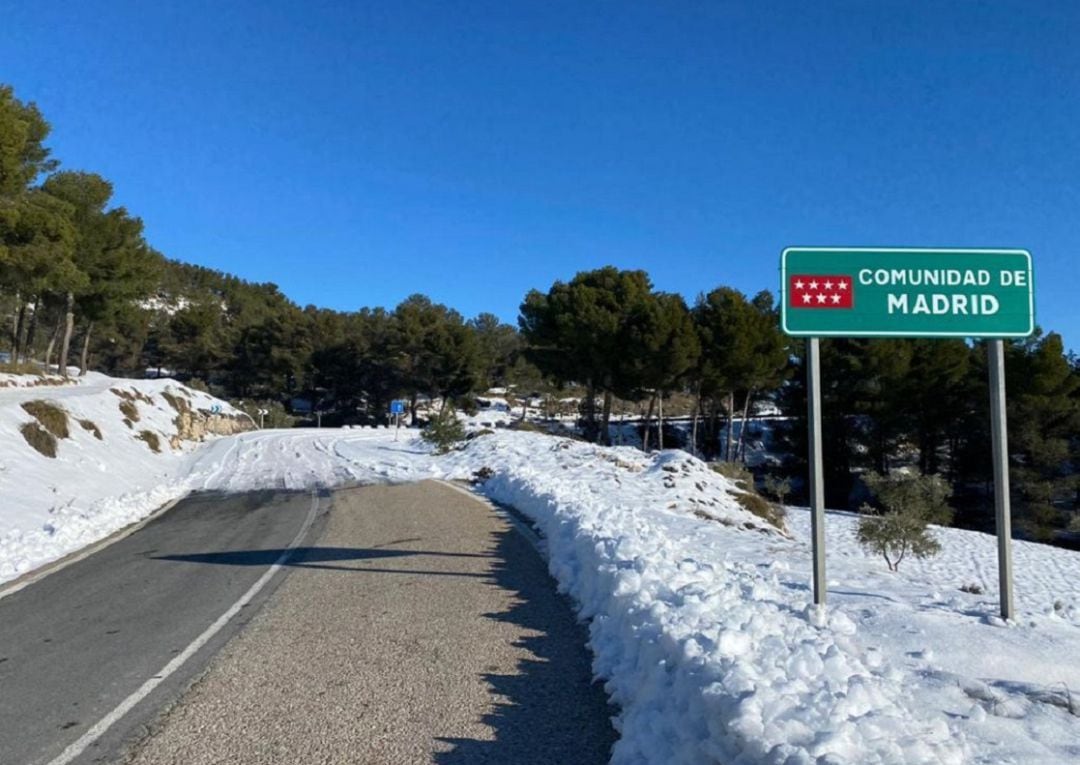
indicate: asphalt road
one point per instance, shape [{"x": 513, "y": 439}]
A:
[
  {"x": 414, "y": 625},
  {"x": 80, "y": 641},
  {"x": 420, "y": 628}
]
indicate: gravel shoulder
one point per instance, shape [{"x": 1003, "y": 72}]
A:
[{"x": 419, "y": 628}]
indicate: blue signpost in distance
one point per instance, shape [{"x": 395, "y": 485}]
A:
[{"x": 397, "y": 406}]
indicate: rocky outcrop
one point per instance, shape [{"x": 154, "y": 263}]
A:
[{"x": 197, "y": 424}]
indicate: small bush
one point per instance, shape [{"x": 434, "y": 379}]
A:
[
  {"x": 445, "y": 431},
  {"x": 129, "y": 423},
  {"x": 129, "y": 410},
  {"x": 910, "y": 503},
  {"x": 525, "y": 426},
  {"x": 52, "y": 417},
  {"x": 761, "y": 507},
  {"x": 151, "y": 439},
  {"x": 91, "y": 426},
  {"x": 196, "y": 383},
  {"x": 39, "y": 438},
  {"x": 734, "y": 471},
  {"x": 479, "y": 433},
  {"x": 776, "y": 487},
  {"x": 974, "y": 589}
]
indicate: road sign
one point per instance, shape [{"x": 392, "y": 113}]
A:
[
  {"x": 900, "y": 292},
  {"x": 397, "y": 406},
  {"x": 907, "y": 292}
]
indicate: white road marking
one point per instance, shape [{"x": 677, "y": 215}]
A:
[
  {"x": 526, "y": 531},
  {"x": 103, "y": 725}
]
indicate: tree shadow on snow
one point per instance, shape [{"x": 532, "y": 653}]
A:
[{"x": 550, "y": 710}]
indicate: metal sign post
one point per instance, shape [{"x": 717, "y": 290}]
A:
[
  {"x": 1000, "y": 440},
  {"x": 908, "y": 292},
  {"x": 817, "y": 479}
]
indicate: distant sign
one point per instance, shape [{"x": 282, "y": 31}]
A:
[
  {"x": 397, "y": 406},
  {"x": 215, "y": 408},
  {"x": 879, "y": 292}
]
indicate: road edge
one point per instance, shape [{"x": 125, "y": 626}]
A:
[{"x": 37, "y": 574}]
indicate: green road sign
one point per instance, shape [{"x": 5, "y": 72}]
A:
[{"x": 883, "y": 292}]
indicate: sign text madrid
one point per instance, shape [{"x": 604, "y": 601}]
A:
[{"x": 879, "y": 292}]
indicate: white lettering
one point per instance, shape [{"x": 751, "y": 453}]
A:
[
  {"x": 921, "y": 305},
  {"x": 865, "y": 276},
  {"x": 898, "y": 303}
]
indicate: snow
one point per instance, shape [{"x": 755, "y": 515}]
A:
[{"x": 700, "y": 615}]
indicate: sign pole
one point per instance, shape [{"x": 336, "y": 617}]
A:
[
  {"x": 1000, "y": 440},
  {"x": 817, "y": 480}
]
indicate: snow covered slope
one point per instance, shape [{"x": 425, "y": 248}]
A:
[
  {"x": 700, "y": 617},
  {"x": 105, "y": 474}
]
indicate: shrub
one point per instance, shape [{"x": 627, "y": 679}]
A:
[
  {"x": 129, "y": 410},
  {"x": 734, "y": 471},
  {"x": 910, "y": 502},
  {"x": 52, "y": 417},
  {"x": 39, "y": 438},
  {"x": 525, "y": 426},
  {"x": 92, "y": 427},
  {"x": 777, "y": 487},
  {"x": 444, "y": 430},
  {"x": 151, "y": 439},
  {"x": 761, "y": 507}
]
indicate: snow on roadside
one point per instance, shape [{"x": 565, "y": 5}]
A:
[
  {"x": 103, "y": 478},
  {"x": 700, "y": 622}
]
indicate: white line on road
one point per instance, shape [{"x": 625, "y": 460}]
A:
[
  {"x": 103, "y": 725},
  {"x": 524, "y": 529}
]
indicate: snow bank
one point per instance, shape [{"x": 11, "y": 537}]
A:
[{"x": 699, "y": 613}]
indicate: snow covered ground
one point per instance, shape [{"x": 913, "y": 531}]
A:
[{"x": 700, "y": 617}]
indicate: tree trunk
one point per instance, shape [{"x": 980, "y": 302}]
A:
[
  {"x": 412, "y": 409},
  {"x": 85, "y": 350},
  {"x": 648, "y": 419},
  {"x": 712, "y": 438},
  {"x": 605, "y": 436},
  {"x": 69, "y": 325},
  {"x": 660, "y": 422},
  {"x": 31, "y": 331},
  {"x": 20, "y": 332},
  {"x": 730, "y": 424},
  {"x": 15, "y": 329},
  {"x": 52, "y": 343},
  {"x": 693, "y": 427},
  {"x": 591, "y": 431},
  {"x": 740, "y": 450}
]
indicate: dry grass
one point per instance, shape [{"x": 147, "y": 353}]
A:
[
  {"x": 91, "y": 426},
  {"x": 761, "y": 507},
  {"x": 178, "y": 403},
  {"x": 39, "y": 438},
  {"x": 151, "y": 439},
  {"x": 21, "y": 368},
  {"x": 52, "y": 417},
  {"x": 129, "y": 410}
]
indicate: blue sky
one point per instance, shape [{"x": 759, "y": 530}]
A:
[{"x": 354, "y": 153}]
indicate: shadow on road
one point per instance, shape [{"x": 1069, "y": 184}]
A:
[
  {"x": 553, "y": 712},
  {"x": 303, "y": 556}
]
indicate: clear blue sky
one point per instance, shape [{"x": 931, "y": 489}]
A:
[{"x": 354, "y": 153}]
